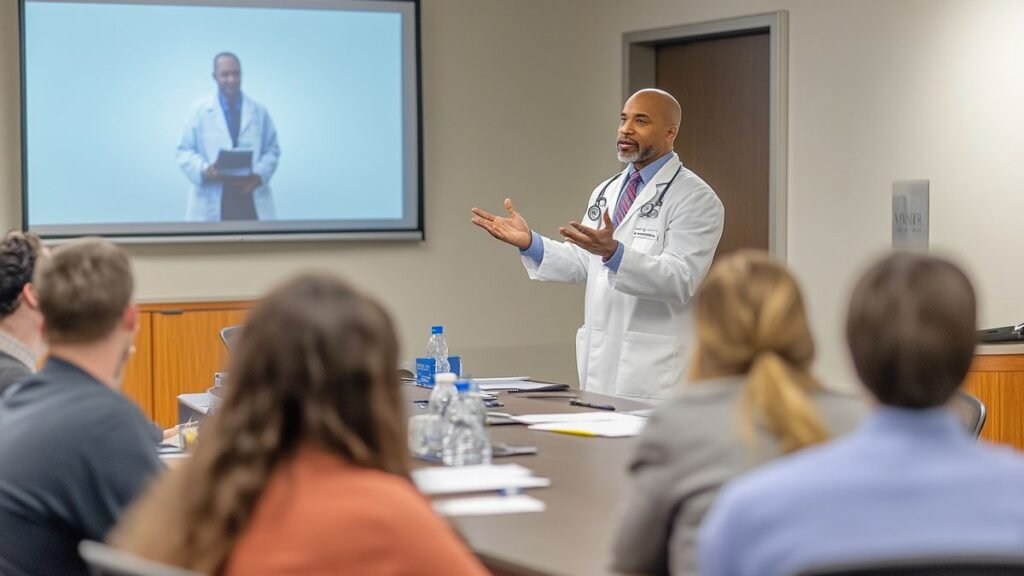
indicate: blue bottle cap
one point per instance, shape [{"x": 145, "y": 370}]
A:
[
  {"x": 437, "y": 329},
  {"x": 462, "y": 385}
]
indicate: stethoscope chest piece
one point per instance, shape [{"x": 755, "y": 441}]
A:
[{"x": 594, "y": 212}]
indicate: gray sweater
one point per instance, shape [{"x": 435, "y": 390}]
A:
[
  {"x": 689, "y": 449},
  {"x": 11, "y": 370}
]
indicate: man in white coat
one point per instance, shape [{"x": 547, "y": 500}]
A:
[
  {"x": 645, "y": 243},
  {"x": 224, "y": 121}
]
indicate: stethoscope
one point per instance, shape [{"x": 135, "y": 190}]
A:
[{"x": 650, "y": 209}]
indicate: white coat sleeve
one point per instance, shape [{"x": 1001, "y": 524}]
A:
[
  {"x": 189, "y": 159},
  {"x": 270, "y": 153},
  {"x": 562, "y": 262},
  {"x": 692, "y": 231}
]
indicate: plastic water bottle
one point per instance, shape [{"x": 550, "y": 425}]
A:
[
  {"x": 437, "y": 348},
  {"x": 440, "y": 399},
  {"x": 466, "y": 441}
]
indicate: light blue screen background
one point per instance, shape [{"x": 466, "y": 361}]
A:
[{"x": 109, "y": 87}]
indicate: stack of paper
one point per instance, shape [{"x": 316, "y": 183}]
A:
[
  {"x": 489, "y": 477},
  {"x": 607, "y": 424},
  {"x": 488, "y": 505}
]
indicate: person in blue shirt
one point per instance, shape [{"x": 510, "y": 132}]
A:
[
  {"x": 910, "y": 482},
  {"x": 228, "y": 120}
]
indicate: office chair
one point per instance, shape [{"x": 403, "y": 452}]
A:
[
  {"x": 970, "y": 410},
  {"x": 228, "y": 334},
  {"x": 950, "y": 566},
  {"x": 104, "y": 560}
]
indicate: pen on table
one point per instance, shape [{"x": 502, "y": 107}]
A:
[{"x": 575, "y": 402}]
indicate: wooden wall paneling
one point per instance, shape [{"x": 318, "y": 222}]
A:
[
  {"x": 138, "y": 376},
  {"x": 186, "y": 352},
  {"x": 998, "y": 381}
]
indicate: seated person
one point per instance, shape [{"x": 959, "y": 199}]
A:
[
  {"x": 751, "y": 397},
  {"x": 21, "y": 324},
  {"x": 910, "y": 482},
  {"x": 304, "y": 468},
  {"x": 73, "y": 450}
]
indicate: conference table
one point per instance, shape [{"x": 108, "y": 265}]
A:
[{"x": 574, "y": 534}]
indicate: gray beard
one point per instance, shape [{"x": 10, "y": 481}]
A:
[{"x": 643, "y": 153}]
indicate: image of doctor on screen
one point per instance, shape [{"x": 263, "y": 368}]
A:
[{"x": 229, "y": 151}]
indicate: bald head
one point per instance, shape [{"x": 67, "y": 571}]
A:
[
  {"x": 663, "y": 103},
  {"x": 648, "y": 126}
]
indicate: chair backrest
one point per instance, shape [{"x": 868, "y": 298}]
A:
[
  {"x": 970, "y": 410},
  {"x": 104, "y": 560},
  {"x": 228, "y": 334},
  {"x": 962, "y": 566}
]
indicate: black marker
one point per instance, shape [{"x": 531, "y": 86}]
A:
[{"x": 575, "y": 402}]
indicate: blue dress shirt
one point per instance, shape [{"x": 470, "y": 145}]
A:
[
  {"x": 535, "y": 251},
  {"x": 907, "y": 483}
]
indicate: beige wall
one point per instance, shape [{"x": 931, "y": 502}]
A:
[{"x": 520, "y": 99}]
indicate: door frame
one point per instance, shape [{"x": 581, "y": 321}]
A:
[{"x": 638, "y": 58}]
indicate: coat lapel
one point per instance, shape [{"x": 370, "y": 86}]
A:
[{"x": 215, "y": 115}]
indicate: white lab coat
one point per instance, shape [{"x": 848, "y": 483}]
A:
[
  {"x": 206, "y": 133},
  {"x": 637, "y": 326}
]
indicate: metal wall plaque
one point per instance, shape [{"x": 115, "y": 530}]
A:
[{"x": 910, "y": 214}]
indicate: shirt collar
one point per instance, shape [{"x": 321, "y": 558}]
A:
[
  {"x": 62, "y": 368},
  {"x": 225, "y": 103},
  {"x": 647, "y": 172},
  {"x": 931, "y": 423},
  {"x": 17, "y": 350}
]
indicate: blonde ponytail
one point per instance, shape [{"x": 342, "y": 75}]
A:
[
  {"x": 750, "y": 320},
  {"x": 776, "y": 398}
]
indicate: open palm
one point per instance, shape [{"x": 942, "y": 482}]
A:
[{"x": 512, "y": 229}]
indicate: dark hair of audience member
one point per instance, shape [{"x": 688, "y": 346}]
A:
[
  {"x": 750, "y": 320},
  {"x": 911, "y": 329},
  {"x": 18, "y": 254},
  {"x": 315, "y": 364}
]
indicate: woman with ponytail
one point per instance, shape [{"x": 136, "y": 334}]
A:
[
  {"x": 303, "y": 469},
  {"x": 750, "y": 397}
]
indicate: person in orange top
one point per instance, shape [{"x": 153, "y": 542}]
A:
[{"x": 304, "y": 468}]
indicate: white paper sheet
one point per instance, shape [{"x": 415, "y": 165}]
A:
[
  {"x": 606, "y": 428},
  {"x": 455, "y": 479},
  {"x": 488, "y": 505},
  {"x": 491, "y": 384},
  {"x": 599, "y": 416}
]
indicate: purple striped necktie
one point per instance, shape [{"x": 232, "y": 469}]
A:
[{"x": 628, "y": 196}]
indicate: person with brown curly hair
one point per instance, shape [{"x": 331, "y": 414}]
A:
[
  {"x": 21, "y": 323},
  {"x": 304, "y": 468}
]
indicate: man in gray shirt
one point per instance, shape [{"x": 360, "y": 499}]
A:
[
  {"x": 21, "y": 324},
  {"x": 73, "y": 451}
]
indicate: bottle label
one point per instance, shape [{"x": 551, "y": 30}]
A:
[{"x": 425, "y": 370}]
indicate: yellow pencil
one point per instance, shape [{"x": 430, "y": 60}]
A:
[{"x": 573, "y": 431}]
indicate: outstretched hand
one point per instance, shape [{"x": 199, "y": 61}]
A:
[
  {"x": 512, "y": 229},
  {"x": 599, "y": 241}
]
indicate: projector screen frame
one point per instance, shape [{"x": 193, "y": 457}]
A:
[{"x": 277, "y": 231}]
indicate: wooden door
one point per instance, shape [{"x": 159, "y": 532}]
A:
[
  {"x": 186, "y": 352},
  {"x": 723, "y": 86}
]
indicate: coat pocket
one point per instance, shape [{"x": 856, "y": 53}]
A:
[{"x": 649, "y": 365}]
